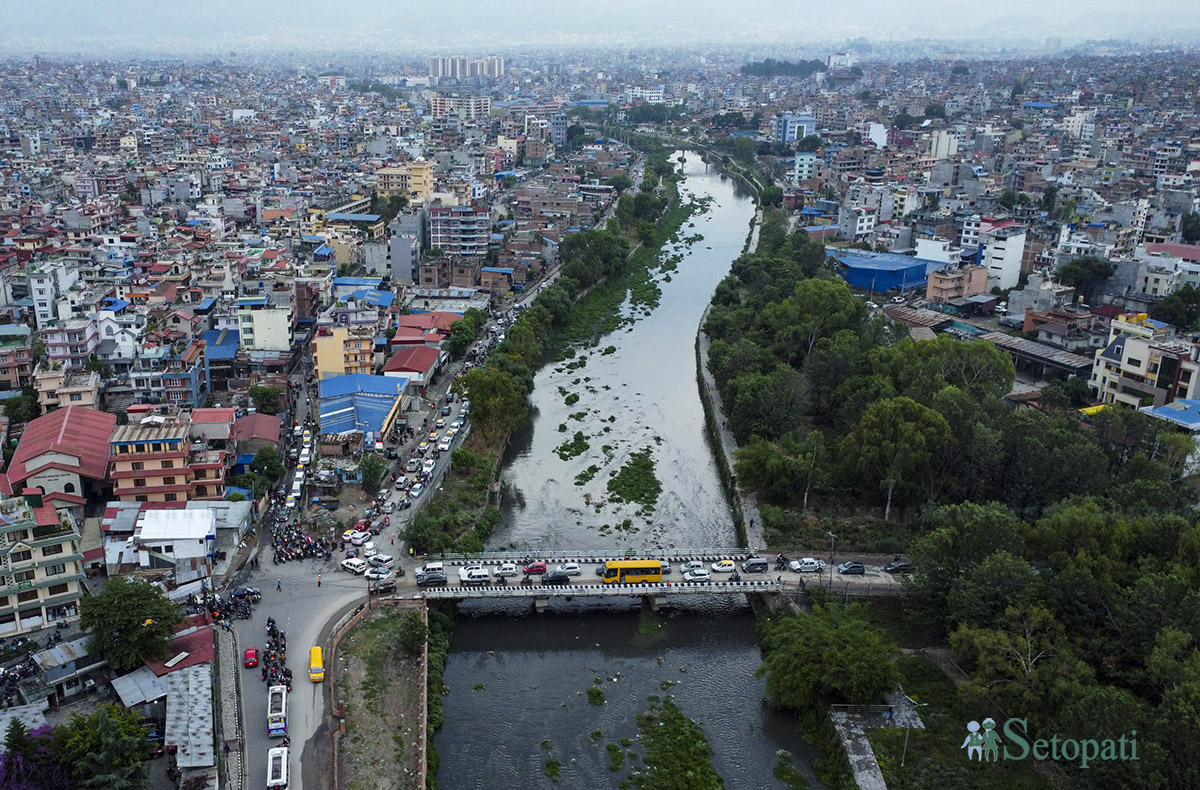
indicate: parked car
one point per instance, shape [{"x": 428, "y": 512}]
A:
[
  {"x": 535, "y": 567},
  {"x": 807, "y": 565},
  {"x": 385, "y": 586},
  {"x": 355, "y": 565},
  {"x": 507, "y": 569},
  {"x": 570, "y": 568},
  {"x": 666, "y": 566},
  {"x": 250, "y": 659},
  {"x": 897, "y": 566},
  {"x": 431, "y": 578},
  {"x": 556, "y": 577},
  {"x": 852, "y": 567},
  {"x": 696, "y": 575},
  {"x": 378, "y": 574},
  {"x": 898, "y": 300},
  {"x": 445, "y": 413},
  {"x": 724, "y": 566}
]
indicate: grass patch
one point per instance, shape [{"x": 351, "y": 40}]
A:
[
  {"x": 636, "y": 482},
  {"x": 577, "y": 416},
  {"x": 547, "y": 744},
  {"x": 785, "y": 772},
  {"x": 585, "y": 477},
  {"x": 576, "y": 446},
  {"x": 616, "y": 757},
  {"x": 552, "y": 768},
  {"x": 571, "y": 399},
  {"x": 608, "y": 350},
  {"x": 596, "y": 735},
  {"x": 595, "y": 695},
  {"x": 674, "y": 746},
  {"x": 648, "y": 621},
  {"x": 933, "y": 758}
]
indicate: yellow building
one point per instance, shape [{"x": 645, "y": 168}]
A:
[
  {"x": 414, "y": 180},
  {"x": 339, "y": 350}
]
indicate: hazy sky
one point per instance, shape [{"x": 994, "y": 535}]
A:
[{"x": 388, "y": 25}]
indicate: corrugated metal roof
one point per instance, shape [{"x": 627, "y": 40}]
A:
[
  {"x": 190, "y": 717},
  {"x": 1038, "y": 351}
]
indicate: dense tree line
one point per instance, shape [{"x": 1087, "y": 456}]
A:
[
  {"x": 805, "y": 373},
  {"x": 782, "y": 68},
  {"x": 105, "y": 749},
  {"x": 1060, "y": 558}
]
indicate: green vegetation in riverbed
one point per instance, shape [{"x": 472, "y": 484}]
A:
[
  {"x": 576, "y": 446},
  {"x": 552, "y": 768},
  {"x": 595, "y": 695},
  {"x": 676, "y": 753},
  {"x": 596, "y": 735},
  {"x": 571, "y": 399},
  {"x": 635, "y": 482},
  {"x": 577, "y": 416},
  {"x": 616, "y": 757},
  {"x": 585, "y": 477},
  {"x": 785, "y": 772},
  {"x": 608, "y": 350},
  {"x": 648, "y": 621}
]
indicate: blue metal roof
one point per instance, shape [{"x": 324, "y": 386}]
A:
[
  {"x": 496, "y": 269},
  {"x": 353, "y": 383},
  {"x": 221, "y": 350},
  {"x": 1185, "y": 412},
  {"x": 366, "y": 282},
  {"x": 323, "y": 250},
  {"x": 206, "y": 303},
  {"x": 115, "y": 304},
  {"x": 372, "y": 296},
  {"x": 338, "y": 216}
]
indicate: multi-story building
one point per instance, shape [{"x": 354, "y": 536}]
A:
[
  {"x": 73, "y": 342},
  {"x": 172, "y": 375},
  {"x": 41, "y": 565},
  {"x": 58, "y": 385},
  {"x": 788, "y": 127},
  {"x": 264, "y": 326},
  {"x": 959, "y": 282},
  {"x": 339, "y": 350},
  {"x": 1144, "y": 364},
  {"x": 413, "y": 180},
  {"x": 805, "y": 167},
  {"x": 1003, "y": 251},
  {"x": 468, "y": 107},
  {"x": 47, "y": 282},
  {"x": 154, "y": 460},
  {"x": 459, "y": 230},
  {"x": 16, "y": 356}
]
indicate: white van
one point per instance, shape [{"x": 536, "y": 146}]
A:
[
  {"x": 370, "y": 550},
  {"x": 474, "y": 575},
  {"x": 277, "y": 768}
]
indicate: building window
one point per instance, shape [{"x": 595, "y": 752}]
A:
[
  {"x": 171, "y": 497},
  {"x": 24, "y": 576},
  {"x": 75, "y": 396},
  {"x": 50, "y": 551},
  {"x": 140, "y": 498},
  {"x": 20, "y": 556},
  {"x": 168, "y": 464},
  {"x": 18, "y": 535},
  {"x": 56, "y": 570},
  {"x": 137, "y": 466},
  {"x": 1134, "y": 363},
  {"x": 28, "y": 595},
  {"x": 58, "y": 589}
]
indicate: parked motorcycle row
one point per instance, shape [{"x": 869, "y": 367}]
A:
[
  {"x": 273, "y": 670},
  {"x": 290, "y": 542},
  {"x": 25, "y": 669},
  {"x": 238, "y": 605}
]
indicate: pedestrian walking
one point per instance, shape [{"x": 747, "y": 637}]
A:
[
  {"x": 279, "y": 585},
  {"x": 393, "y": 539},
  {"x": 318, "y": 580}
]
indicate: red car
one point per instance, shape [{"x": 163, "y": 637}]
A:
[
  {"x": 251, "y": 659},
  {"x": 535, "y": 567}
]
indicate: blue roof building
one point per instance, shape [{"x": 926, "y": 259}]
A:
[
  {"x": 362, "y": 402},
  {"x": 883, "y": 271},
  {"x": 1184, "y": 412}
]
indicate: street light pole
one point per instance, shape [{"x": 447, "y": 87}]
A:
[
  {"x": 831, "y": 539},
  {"x": 908, "y": 727}
]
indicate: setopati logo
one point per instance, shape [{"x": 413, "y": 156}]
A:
[{"x": 984, "y": 744}]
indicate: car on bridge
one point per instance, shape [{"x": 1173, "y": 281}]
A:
[
  {"x": 556, "y": 577},
  {"x": 423, "y": 448},
  {"x": 412, "y": 465},
  {"x": 431, "y": 578},
  {"x": 441, "y": 421},
  {"x": 807, "y": 565},
  {"x": 852, "y": 567},
  {"x": 692, "y": 565},
  {"x": 724, "y": 566},
  {"x": 444, "y": 445},
  {"x": 696, "y": 575},
  {"x": 569, "y": 568},
  {"x": 507, "y": 569},
  {"x": 428, "y": 466},
  {"x": 535, "y": 567}
]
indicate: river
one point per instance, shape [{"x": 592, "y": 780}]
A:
[{"x": 518, "y": 682}]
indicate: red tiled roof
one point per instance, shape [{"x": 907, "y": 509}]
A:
[
  {"x": 417, "y": 359},
  {"x": 74, "y": 431},
  {"x": 1189, "y": 252},
  {"x": 195, "y": 637},
  {"x": 214, "y": 415},
  {"x": 258, "y": 426}
]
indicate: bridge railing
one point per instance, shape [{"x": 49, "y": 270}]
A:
[
  {"x": 561, "y": 590},
  {"x": 594, "y": 556}
]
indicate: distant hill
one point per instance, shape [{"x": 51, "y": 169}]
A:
[{"x": 782, "y": 68}]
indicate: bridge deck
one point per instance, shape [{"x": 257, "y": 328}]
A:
[{"x": 517, "y": 590}]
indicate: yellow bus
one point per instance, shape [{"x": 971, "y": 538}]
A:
[
  {"x": 632, "y": 571},
  {"x": 316, "y": 665}
]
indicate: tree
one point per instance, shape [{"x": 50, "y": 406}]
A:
[
  {"x": 894, "y": 440},
  {"x": 1180, "y": 309},
  {"x": 373, "y": 469},
  {"x": 743, "y": 150},
  {"x": 1007, "y": 199},
  {"x": 1049, "y": 198},
  {"x": 903, "y": 120},
  {"x": 268, "y": 464},
  {"x": 765, "y": 404},
  {"x": 96, "y": 365},
  {"x": 411, "y": 633},
  {"x": 1085, "y": 273},
  {"x": 24, "y": 407},
  {"x": 830, "y": 655},
  {"x": 981, "y": 596},
  {"x": 809, "y": 144},
  {"x": 131, "y": 622},
  {"x": 266, "y": 399},
  {"x": 122, "y": 417},
  {"x": 935, "y": 110},
  {"x": 621, "y": 182},
  {"x": 771, "y": 196},
  {"x": 107, "y": 749},
  {"x": 1189, "y": 227},
  {"x": 1025, "y": 664},
  {"x": 497, "y": 403}
]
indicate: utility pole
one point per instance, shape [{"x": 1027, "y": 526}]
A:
[{"x": 831, "y": 539}]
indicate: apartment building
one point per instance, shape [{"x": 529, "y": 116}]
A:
[
  {"x": 170, "y": 374},
  {"x": 154, "y": 460},
  {"x": 16, "y": 356},
  {"x": 413, "y": 180},
  {"x": 73, "y": 342},
  {"x": 459, "y": 230},
  {"x": 58, "y": 385},
  {"x": 263, "y": 325},
  {"x": 41, "y": 565},
  {"x": 466, "y": 106},
  {"x": 959, "y": 282},
  {"x": 339, "y": 350},
  {"x": 1144, "y": 364}
]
